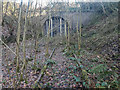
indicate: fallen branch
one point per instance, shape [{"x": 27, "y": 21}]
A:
[
  {"x": 44, "y": 68},
  {"x": 52, "y": 53},
  {"x": 77, "y": 60},
  {"x": 8, "y": 48}
]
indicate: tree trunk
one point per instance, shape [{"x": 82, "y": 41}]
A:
[
  {"x": 60, "y": 27},
  {"x": 51, "y": 27},
  {"x": 80, "y": 29},
  {"x": 24, "y": 40},
  {"x": 18, "y": 36}
]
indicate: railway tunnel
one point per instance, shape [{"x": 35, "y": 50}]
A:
[
  {"x": 59, "y": 15},
  {"x": 59, "y": 23},
  {"x": 56, "y": 25}
]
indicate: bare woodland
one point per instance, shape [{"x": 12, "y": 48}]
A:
[{"x": 61, "y": 44}]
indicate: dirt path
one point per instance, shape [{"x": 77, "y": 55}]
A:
[{"x": 58, "y": 75}]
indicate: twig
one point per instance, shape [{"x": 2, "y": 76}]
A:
[
  {"x": 8, "y": 48},
  {"x": 76, "y": 60},
  {"x": 52, "y": 53}
]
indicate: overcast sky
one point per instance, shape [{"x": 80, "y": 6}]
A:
[{"x": 45, "y": 2}]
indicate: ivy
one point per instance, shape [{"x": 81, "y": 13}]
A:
[{"x": 77, "y": 79}]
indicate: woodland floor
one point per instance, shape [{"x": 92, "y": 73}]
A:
[
  {"x": 56, "y": 75},
  {"x": 64, "y": 73}
]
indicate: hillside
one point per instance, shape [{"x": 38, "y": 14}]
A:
[{"x": 102, "y": 36}]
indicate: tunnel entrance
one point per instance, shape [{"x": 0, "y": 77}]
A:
[{"x": 57, "y": 25}]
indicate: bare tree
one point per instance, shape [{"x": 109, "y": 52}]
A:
[
  {"x": 24, "y": 42},
  {"x": 79, "y": 37},
  {"x": 35, "y": 36},
  {"x": 48, "y": 32},
  {"x": 18, "y": 36}
]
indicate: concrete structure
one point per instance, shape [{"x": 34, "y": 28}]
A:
[{"x": 59, "y": 14}]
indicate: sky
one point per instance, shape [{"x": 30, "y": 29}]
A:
[{"x": 45, "y": 2}]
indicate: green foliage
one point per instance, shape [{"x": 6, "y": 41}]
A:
[
  {"x": 34, "y": 67},
  {"x": 99, "y": 68},
  {"x": 106, "y": 74},
  {"x": 38, "y": 62},
  {"x": 114, "y": 84},
  {"x": 97, "y": 85},
  {"x": 77, "y": 79},
  {"x": 3, "y": 81},
  {"x": 79, "y": 60},
  {"x": 103, "y": 73},
  {"x": 66, "y": 52},
  {"x": 84, "y": 75},
  {"x": 85, "y": 84},
  {"x": 81, "y": 66},
  {"x": 50, "y": 61},
  {"x": 72, "y": 58},
  {"x": 74, "y": 67},
  {"x": 70, "y": 66},
  {"x": 26, "y": 81},
  {"x": 104, "y": 84},
  {"x": 95, "y": 60}
]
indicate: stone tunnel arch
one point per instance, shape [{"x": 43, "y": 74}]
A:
[{"x": 57, "y": 25}]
